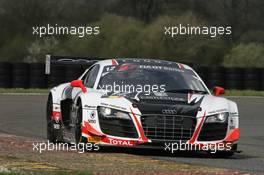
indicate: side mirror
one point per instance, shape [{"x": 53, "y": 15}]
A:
[
  {"x": 79, "y": 83},
  {"x": 218, "y": 90}
]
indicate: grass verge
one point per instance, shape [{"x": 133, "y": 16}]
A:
[
  {"x": 22, "y": 90},
  {"x": 244, "y": 93},
  {"x": 47, "y": 173}
]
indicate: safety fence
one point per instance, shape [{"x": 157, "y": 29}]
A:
[{"x": 25, "y": 75}]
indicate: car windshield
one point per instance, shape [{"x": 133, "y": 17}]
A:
[{"x": 161, "y": 78}]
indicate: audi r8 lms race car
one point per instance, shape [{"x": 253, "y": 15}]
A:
[{"x": 142, "y": 103}]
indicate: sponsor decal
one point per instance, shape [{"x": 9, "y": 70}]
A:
[
  {"x": 114, "y": 97},
  {"x": 145, "y": 61},
  {"x": 160, "y": 94},
  {"x": 162, "y": 98},
  {"x": 93, "y": 114},
  {"x": 90, "y": 107},
  {"x": 56, "y": 126},
  {"x": 92, "y": 117},
  {"x": 94, "y": 139},
  {"x": 113, "y": 106},
  {"x": 217, "y": 111},
  {"x": 120, "y": 142},
  {"x": 158, "y": 67}
]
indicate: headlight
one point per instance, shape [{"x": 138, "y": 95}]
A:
[
  {"x": 110, "y": 113},
  {"x": 217, "y": 118},
  {"x": 105, "y": 111}
]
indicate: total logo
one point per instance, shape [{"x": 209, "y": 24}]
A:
[{"x": 120, "y": 142}]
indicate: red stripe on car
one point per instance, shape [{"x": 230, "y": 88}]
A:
[
  {"x": 91, "y": 130},
  {"x": 233, "y": 136},
  {"x": 196, "y": 132},
  {"x": 142, "y": 138}
]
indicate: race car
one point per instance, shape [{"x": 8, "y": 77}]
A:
[{"x": 142, "y": 103}]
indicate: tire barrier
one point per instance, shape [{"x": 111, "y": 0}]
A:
[
  {"x": 57, "y": 75},
  {"x": 262, "y": 79},
  {"x": 37, "y": 76},
  {"x": 23, "y": 75},
  {"x": 202, "y": 72},
  {"x": 216, "y": 77},
  {"x": 20, "y": 75},
  {"x": 252, "y": 79},
  {"x": 5, "y": 75},
  {"x": 73, "y": 72},
  {"x": 234, "y": 78}
]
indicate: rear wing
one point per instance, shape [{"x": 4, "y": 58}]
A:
[{"x": 67, "y": 60}]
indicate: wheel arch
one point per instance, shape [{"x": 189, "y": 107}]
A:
[{"x": 58, "y": 93}]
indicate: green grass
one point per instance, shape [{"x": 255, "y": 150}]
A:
[
  {"x": 21, "y": 90},
  {"x": 227, "y": 92},
  {"x": 47, "y": 173},
  {"x": 244, "y": 93}
]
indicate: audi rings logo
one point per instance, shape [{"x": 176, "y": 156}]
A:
[{"x": 169, "y": 111}]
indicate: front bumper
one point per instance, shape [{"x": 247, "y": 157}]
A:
[{"x": 156, "y": 131}]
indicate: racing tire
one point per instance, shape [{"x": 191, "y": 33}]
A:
[
  {"x": 37, "y": 76},
  {"x": 78, "y": 124},
  {"x": 5, "y": 75},
  {"x": 57, "y": 76},
  {"x": 50, "y": 130}
]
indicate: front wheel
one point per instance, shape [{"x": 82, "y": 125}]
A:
[{"x": 78, "y": 124}]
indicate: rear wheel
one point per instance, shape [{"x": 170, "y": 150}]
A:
[{"x": 50, "y": 128}]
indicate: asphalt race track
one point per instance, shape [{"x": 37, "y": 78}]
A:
[{"x": 24, "y": 115}]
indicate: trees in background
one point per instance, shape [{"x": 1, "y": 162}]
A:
[
  {"x": 134, "y": 28},
  {"x": 245, "y": 55}
]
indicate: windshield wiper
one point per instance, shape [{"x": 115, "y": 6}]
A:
[{"x": 186, "y": 91}]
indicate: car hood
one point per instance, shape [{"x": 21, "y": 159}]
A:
[{"x": 186, "y": 104}]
